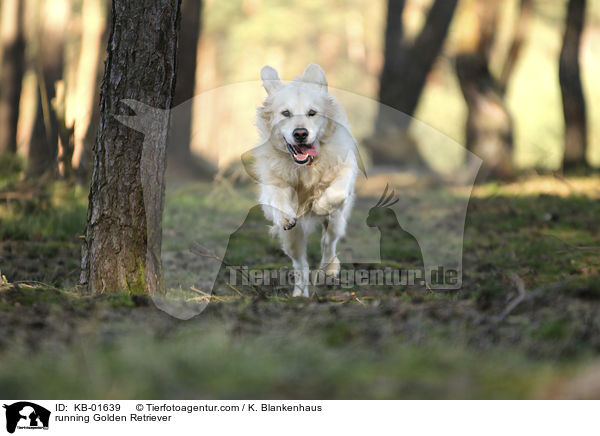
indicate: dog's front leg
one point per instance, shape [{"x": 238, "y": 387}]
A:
[
  {"x": 336, "y": 194},
  {"x": 331, "y": 200},
  {"x": 279, "y": 205},
  {"x": 334, "y": 227},
  {"x": 294, "y": 245}
]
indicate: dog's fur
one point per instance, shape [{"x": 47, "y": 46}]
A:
[{"x": 294, "y": 196}]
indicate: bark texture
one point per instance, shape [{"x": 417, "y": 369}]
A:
[
  {"x": 12, "y": 70},
  {"x": 141, "y": 66},
  {"x": 404, "y": 74},
  {"x": 570, "y": 85}
]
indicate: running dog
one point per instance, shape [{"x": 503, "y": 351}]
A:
[{"x": 306, "y": 167}]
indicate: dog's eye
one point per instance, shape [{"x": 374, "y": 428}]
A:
[
  {"x": 286, "y": 114},
  {"x": 312, "y": 113}
]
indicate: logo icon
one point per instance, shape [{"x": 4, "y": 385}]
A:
[{"x": 26, "y": 415}]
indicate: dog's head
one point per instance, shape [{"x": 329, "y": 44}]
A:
[{"x": 296, "y": 115}]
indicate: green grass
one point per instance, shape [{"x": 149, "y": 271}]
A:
[
  {"x": 210, "y": 358},
  {"x": 11, "y": 169},
  {"x": 56, "y": 211},
  {"x": 361, "y": 342}
]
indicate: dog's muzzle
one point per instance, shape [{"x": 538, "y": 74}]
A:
[{"x": 302, "y": 154}]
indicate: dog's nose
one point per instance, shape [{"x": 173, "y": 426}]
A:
[{"x": 300, "y": 134}]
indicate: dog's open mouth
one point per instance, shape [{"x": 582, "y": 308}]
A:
[{"x": 302, "y": 154}]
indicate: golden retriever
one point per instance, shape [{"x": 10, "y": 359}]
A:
[{"x": 306, "y": 167}]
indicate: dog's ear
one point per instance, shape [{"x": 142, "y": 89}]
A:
[
  {"x": 270, "y": 79},
  {"x": 315, "y": 74}
]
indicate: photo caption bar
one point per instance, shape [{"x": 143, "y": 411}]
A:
[{"x": 296, "y": 416}]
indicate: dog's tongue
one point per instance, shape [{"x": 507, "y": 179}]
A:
[{"x": 310, "y": 151}]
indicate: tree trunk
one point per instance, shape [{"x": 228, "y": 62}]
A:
[
  {"x": 404, "y": 74},
  {"x": 140, "y": 66},
  {"x": 12, "y": 70},
  {"x": 394, "y": 55},
  {"x": 489, "y": 127},
  {"x": 570, "y": 85},
  {"x": 93, "y": 22},
  {"x": 521, "y": 28},
  {"x": 43, "y": 149},
  {"x": 406, "y": 66},
  {"x": 179, "y": 143}
]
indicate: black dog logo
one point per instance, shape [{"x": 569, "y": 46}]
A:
[{"x": 26, "y": 415}]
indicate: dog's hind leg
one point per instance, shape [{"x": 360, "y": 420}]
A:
[
  {"x": 334, "y": 227},
  {"x": 294, "y": 245}
]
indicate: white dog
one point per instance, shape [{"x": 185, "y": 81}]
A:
[{"x": 306, "y": 166}]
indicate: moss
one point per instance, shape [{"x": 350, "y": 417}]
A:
[
  {"x": 121, "y": 300},
  {"x": 138, "y": 285}
]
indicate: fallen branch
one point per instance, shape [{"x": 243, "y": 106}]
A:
[{"x": 515, "y": 301}]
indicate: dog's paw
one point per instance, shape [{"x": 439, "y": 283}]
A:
[
  {"x": 332, "y": 269},
  {"x": 289, "y": 223},
  {"x": 322, "y": 207},
  {"x": 300, "y": 291},
  {"x": 336, "y": 197},
  {"x": 328, "y": 202}
]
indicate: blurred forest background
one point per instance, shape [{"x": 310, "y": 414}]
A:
[
  {"x": 514, "y": 81},
  {"x": 53, "y": 56}
]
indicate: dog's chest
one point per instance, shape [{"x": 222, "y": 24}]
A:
[{"x": 310, "y": 186}]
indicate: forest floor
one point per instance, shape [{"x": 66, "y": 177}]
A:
[{"x": 525, "y": 324}]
